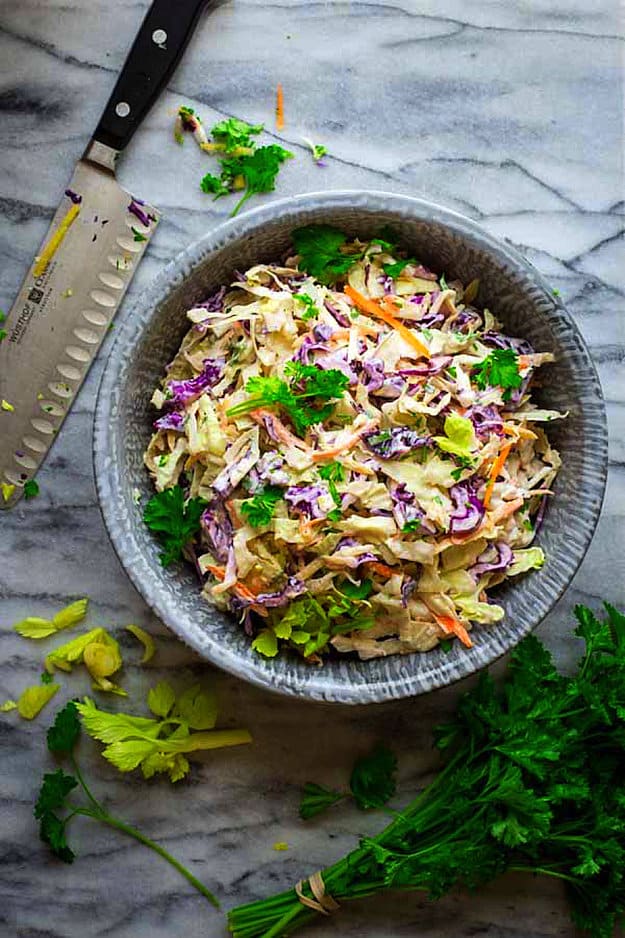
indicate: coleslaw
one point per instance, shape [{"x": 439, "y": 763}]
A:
[{"x": 367, "y": 446}]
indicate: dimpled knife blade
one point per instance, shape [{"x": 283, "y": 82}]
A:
[{"x": 62, "y": 313}]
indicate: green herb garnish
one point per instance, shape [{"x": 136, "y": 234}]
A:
[
  {"x": 258, "y": 171},
  {"x": 311, "y": 309},
  {"x": 501, "y": 369},
  {"x": 307, "y": 383},
  {"x": 137, "y": 236},
  {"x": 174, "y": 522},
  {"x": 213, "y": 185},
  {"x": 31, "y": 488},
  {"x": 395, "y": 270},
  {"x": 411, "y": 526},
  {"x": 259, "y": 509},
  {"x": 319, "y": 249},
  {"x": 233, "y": 133},
  {"x": 371, "y": 785}
]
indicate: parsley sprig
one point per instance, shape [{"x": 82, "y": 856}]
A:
[
  {"x": 255, "y": 173},
  {"x": 532, "y": 780},
  {"x": 307, "y": 383},
  {"x": 371, "y": 785},
  {"x": 174, "y": 522},
  {"x": 54, "y": 811},
  {"x": 259, "y": 509},
  {"x": 500, "y": 368},
  {"x": 320, "y": 252}
]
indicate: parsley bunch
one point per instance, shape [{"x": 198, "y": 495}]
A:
[
  {"x": 307, "y": 383},
  {"x": 54, "y": 811},
  {"x": 532, "y": 781},
  {"x": 175, "y": 522}
]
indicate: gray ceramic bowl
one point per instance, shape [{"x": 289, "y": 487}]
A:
[{"x": 150, "y": 334}]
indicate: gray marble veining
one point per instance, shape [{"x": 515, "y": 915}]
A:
[{"x": 511, "y": 112}]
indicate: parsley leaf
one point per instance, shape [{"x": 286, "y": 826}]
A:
[
  {"x": 411, "y": 526},
  {"x": 53, "y": 792},
  {"x": 235, "y": 133},
  {"x": 137, "y": 236},
  {"x": 532, "y": 780},
  {"x": 320, "y": 255},
  {"x": 372, "y": 781},
  {"x": 307, "y": 381},
  {"x": 396, "y": 269},
  {"x": 259, "y": 171},
  {"x": 499, "y": 368},
  {"x": 65, "y": 730},
  {"x": 316, "y": 798},
  {"x": 360, "y": 590},
  {"x": 31, "y": 489},
  {"x": 213, "y": 185},
  {"x": 311, "y": 309},
  {"x": 52, "y": 832},
  {"x": 174, "y": 522},
  {"x": 332, "y": 471},
  {"x": 259, "y": 509},
  {"x": 372, "y": 784}
]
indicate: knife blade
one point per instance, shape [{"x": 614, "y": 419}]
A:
[{"x": 77, "y": 282}]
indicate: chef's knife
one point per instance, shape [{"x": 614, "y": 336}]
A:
[{"x": 78, "y": 280}]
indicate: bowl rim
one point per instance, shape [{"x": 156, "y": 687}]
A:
[{"x": 131, "y": 325}]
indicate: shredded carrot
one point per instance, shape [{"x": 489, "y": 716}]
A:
[
  {"x": 343, "y": 334},
  {"x": 381, "y": 568},
  {"x": 347, "y": 444},
  {"x": 494, "y": 472},
  {"x": 506, "y": 509},
  {"x": 240, "y": 588},
  {"x": 279, "y": 108},
  {"x": 452, "y": 627},
  {"x": 524, "y": 361},
  {"x": 385, "y": 314},
  {"x": 283, "y": 433}
]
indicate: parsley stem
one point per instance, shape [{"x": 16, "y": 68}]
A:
[
  {"x": 85, "y": 787},
  {"x": 539, "y": 870},
  {"x": 247, "y": 195},
  {"x": 101, "y": 815}
]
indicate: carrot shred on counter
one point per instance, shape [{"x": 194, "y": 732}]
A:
[
  {"x": 279, "y": 108},
  {"x": 386, "y": 315},
  {"x": 453, "y": 627},
  {"x": 494, "y": 472}
]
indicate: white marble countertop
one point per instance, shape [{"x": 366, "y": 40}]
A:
[{"x": 511, "y": 112}]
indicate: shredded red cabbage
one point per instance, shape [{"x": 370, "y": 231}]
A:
[
  {"x": 396, "y": 441},
  {"x": 187, "y": 390},
  {"x": 468, "y": 509},
  {"x": 171, "y": 421},
  {"x": 496, "y": 557},
  {"x": 217, "y": 529}
]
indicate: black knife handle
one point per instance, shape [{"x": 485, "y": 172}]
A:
[{"x": 160, "y": 42}]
